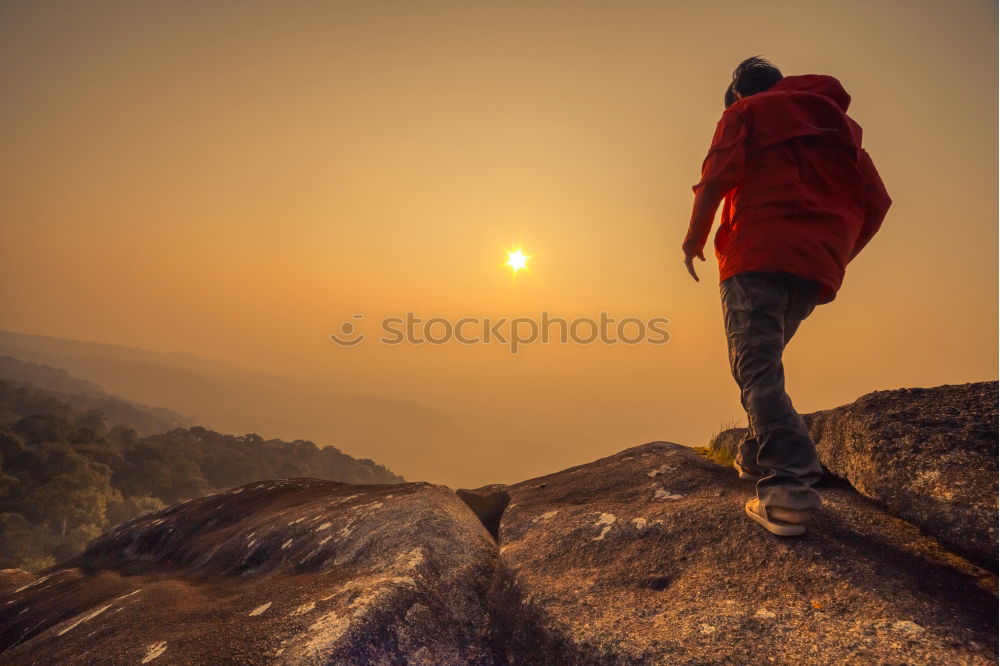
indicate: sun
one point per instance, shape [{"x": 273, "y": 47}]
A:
[{"x": 517, "y": 260}]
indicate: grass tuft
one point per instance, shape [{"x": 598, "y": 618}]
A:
[{"x": 712, "y": 452}]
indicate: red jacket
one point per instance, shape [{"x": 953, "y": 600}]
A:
[{"x": 801, "y": 195}]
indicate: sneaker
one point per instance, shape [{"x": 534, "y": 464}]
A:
[
  {"x": 745, "y": 473},
  {"x": 783, "y": 522}
]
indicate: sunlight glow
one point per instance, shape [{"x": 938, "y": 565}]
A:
[{"x": 517, "y": 260}]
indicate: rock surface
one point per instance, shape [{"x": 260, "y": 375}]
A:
[
  {"x": 645, "y": 557},
  {"x": 929, "y": 455},
  {"x": 297, "y": 571}
]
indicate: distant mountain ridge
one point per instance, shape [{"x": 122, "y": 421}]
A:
[
  {"x": 180, "y": 382},
  {"x": 225, "y": 398},
  {"x": 42, "y": 345},
  {"x": 46, "y": 377},
  {"x": 83, "y": 395}
]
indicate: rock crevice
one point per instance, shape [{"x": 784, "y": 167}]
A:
[{"x": 488, "y": 503}]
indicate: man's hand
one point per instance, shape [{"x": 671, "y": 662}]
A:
[
  {"x": 689, "y": 255},
  {"x": 707, "y": 198}
]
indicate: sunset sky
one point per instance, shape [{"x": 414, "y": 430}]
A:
[{"x": 235, "y": 180}]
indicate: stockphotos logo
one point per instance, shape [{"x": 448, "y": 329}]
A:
[{"x": 514, "y": 333}]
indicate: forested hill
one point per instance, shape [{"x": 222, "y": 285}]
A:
[{"x": 66, "y": 475}]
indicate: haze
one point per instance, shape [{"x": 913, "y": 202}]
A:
[{"x": 235, "y": 180}]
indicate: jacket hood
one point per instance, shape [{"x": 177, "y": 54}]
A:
[
  {"x": 797, "y": 106},
  {"x": 817, "y": 84}
]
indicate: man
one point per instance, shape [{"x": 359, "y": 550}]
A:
[{"x": 801, "y": 199}]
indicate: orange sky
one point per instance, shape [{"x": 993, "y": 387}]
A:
[{"x": 235, "y": 179}]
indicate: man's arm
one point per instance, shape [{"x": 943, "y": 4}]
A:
[
  {"x": 721, "y": 171},
  {"x": 876, "y": 204},
  {"x": 706, "y": 204}
]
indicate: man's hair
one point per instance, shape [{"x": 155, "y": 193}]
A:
[{"x": 750, "y": 77}]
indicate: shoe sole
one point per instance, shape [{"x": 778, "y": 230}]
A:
[{"x": 781, "y": 529}]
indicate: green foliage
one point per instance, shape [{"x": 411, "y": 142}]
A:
[
  {"x": 23, "y": 544},
  {"x": 131, "y": 507},
  {"x": 717, "y": 456},
  {"x": 65, "y": 477},
  {"x": 715, "y": 453}
]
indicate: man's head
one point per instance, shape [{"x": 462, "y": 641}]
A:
[{"x": 752, "y": 76}]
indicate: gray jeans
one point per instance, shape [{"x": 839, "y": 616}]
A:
[{"x": 762, "y": 311}]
